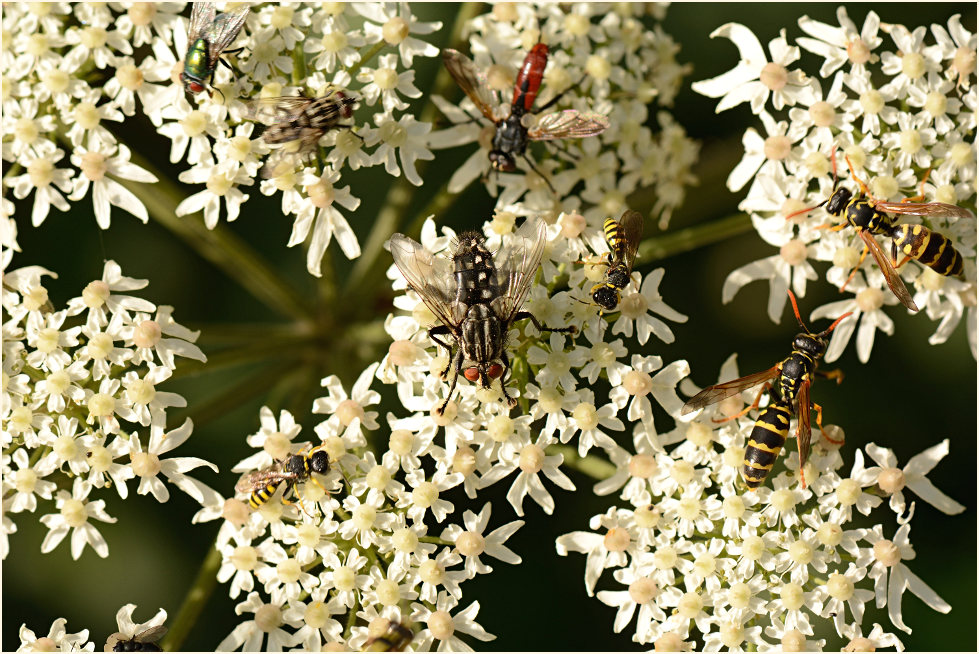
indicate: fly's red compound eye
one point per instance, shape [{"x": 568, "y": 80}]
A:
[
  {"x": 472, "y": 374},
  {"x": 196, "y": 87},
  {"x": 495, "y": 371}
]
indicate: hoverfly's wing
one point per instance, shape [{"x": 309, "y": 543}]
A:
[
  {"x": 464, "y": 72},
  {"x": 932, "y": 209},
  {"x": 277, "y": 110},
  {"x": 567, "y": 124},
  {"x": 151, "y": 635},
  {"x": 516, "y": 266},
  {"x": 428, "y": 275},
  {"x": 258, "y": 479},
  {"x": 894, "y": 280},
  {"x": 804, "y": 430},
  {"x": 718, "y": 392},
  {"x": 201, "y": 17},
  {"x": 631, "y": 224},
  {"x": 224, "y": 30}
]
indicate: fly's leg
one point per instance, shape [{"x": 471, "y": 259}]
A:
[
  {"x": 539, "y": 173},
  {"x": 526, "y": 315},
  {"x": 550, "y": 103},
  {"x": 511, "y": 401},
  {"x": 452, "y": 385},
  {"x": 434, "y": 333}
]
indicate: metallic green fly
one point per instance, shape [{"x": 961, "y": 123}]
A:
[{"x": 208, "y": 36}]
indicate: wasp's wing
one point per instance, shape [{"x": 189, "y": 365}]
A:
[
  {"x": 517, "y": 264},
  {"x": 933, "y": 209},
  {"x": 464, "y": 72},
  {"x": 224, "y": 29},
  {"x": 718, "y": 392},
  {"x": 804, "y": 430},
  {"x": 894, "y": 280},
  {"x": 201, "y": 17},
  {"x": 258, "y": 479},
  {"x": 152, "y": 634},
  {"x": 631, "y": 223},
  {"x": 567, "y": 124},
  {"x": 430, "y": 276},
  {"x": 277, "y": 110}
]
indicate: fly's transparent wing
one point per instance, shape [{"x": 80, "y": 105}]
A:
[
  {"x": 428, "y": 275},
  {"x": 277, "y": 110},
  {"x": 933, "y": 209},
  {"x": 517, "y": 264},
  {"x": 224, "y": 29},
  {"x": 201, "y": 17},
  {"x": 567, "y": 124},
  {"x": 718, "y": 392},
  {"x": 464, "y": 72},
  {"x": 631, "y": 223},
  {"x": 299, "y": 146},
  {"x": 151, "y": 635}
]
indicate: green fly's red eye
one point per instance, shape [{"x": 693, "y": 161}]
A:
[
  {"x": 472, "y": 374},
  {"x": 495, "y": 371}
]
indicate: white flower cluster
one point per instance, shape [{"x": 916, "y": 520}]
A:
[
  {"x": 80, "y": 402},
  {"x": 605, "y": 60},
  {"x": 900, "y": 117},
  {"x": 698, "y": 564},
  {"x": 52, "y": 105}
]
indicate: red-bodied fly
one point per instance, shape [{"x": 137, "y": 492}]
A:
[{"x": 517, "y": 129}]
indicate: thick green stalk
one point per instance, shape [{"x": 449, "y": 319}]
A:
[
  {"x": 592, "y": 466},
  {"x": 194, "y": 601},
  {"x": 220, "y": 246},
  {"x": 377, "y": 47},
  {"x": 691, "y": 238}
]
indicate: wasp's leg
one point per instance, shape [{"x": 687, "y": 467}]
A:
[
  {"x": 836, "y": 375},
  {"x": 819, "y": 423},
  {"x": 299, "y": 500},
  {"x": 855, "y": 268},
  {"x": 752, "y": 406},
  {"x": 434, "y": 333},
  {"x": 452, "y": 385},
  {"x": 921, "y": 189},
  {"x": 526, "y": 315},
  {"x": 539, "y": 173}
]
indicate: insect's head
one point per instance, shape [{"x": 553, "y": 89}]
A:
[
  {"x": 502, "y": 161},
  {"x": 605, "y": 296},
  {"x": 838, "y": 201},
  {"x": 812, "y": 344},
  {"x": 191, "y": 84},
  {"x": 319, "y": 462},
  {"x": 483, "y": 373}
]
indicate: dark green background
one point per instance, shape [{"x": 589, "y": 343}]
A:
[{"x": 910, "y": 396}]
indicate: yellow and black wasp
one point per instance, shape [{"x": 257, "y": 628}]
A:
[
  {"x": 789, "y": 395},
  {"x": 395, "y": 638},
  {"x": 622, "y": 237},
  {"x": 298, "y": 468},
  {"x": 868, "y": 216}
]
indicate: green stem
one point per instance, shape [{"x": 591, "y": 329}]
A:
[
  {"x": 220, "y": 246},
  {"x": 377, "y": 47},
  {"x": 691, "y": 238},
  {"x": 592, "y": 466},
  {"x": 298, "y": 65},
  {"x": 401, "y": 192},
  {"x": 194, "y": 601},
  {"x": 436, "y": 541}
]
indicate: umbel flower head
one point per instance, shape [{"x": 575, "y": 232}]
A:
[{"x": 900, "y": 112}]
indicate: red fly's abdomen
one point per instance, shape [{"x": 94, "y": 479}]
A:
[{"x": 530, "y": 77}]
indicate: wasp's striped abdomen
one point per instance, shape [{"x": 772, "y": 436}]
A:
[
  {"x": 263, "y": 495},
  {"x": 765, "y": 442},
  {"x": 929, "y": 248}
]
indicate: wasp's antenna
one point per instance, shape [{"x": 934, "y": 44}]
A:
[
  {"x": 795, "y": 309},
  {"x": 836, "y": 322}
]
